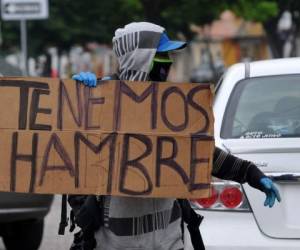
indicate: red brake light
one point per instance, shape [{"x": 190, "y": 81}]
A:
[
  {"x": 231, "y": 197},
  {"x": 208, "y": 202}
]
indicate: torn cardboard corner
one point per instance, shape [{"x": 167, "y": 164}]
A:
[{"x": 121, "y": 138}]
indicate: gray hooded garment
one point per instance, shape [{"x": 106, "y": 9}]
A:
[{"x": 138, "y": 223}]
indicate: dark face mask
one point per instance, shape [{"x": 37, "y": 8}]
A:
[{"x": 160, "y": 69}]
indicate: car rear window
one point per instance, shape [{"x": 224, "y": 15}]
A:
[{"x": 264, "y": 107}]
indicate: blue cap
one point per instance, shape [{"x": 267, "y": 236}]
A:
[{"x": 165, "y": 44}]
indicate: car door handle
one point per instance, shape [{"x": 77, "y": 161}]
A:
[{"x": 285, "y": 177}]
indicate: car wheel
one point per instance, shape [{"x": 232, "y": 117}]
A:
[{"x": 25, "y": 235}]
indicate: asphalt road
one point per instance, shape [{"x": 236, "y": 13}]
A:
[{"x": 51, "y": 239}]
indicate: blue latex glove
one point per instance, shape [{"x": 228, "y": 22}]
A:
[
  {"x": 87, "y": 78},
  {"x": 271, "y": 191}
]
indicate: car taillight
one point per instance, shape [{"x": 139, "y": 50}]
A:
[
  {"x": 231, "y": 197},
  {"x": 225, "y": 195},
  {"x": 209, "y": 201}
]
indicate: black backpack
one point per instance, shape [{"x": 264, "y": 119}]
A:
[
  {"x": 85, "y": 213},
  {"x": 193, "y": 221}
]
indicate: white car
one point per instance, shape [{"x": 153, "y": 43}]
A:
[{"x": 257, "y": 118}]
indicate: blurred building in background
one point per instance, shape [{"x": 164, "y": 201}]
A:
[
  {"x": 216, "y": 46},
  {"x": 93, "y": 57}
]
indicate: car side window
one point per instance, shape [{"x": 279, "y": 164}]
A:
[
  {"x": 219, "y": 83},
  {"x": 264, "y": 107}
]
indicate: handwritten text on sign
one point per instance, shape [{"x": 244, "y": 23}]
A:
[{"x": 121, "y": 138}]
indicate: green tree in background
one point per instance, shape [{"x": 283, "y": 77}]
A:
[
  {"x": 78, "y": 22},
  {"x": 73, "y": 22},
  {"x": 268, "y": 12}
]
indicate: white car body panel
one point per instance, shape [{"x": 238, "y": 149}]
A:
[
  {"x": 236, "y": 231},
  {"x": 265, "y": 228},
  {"x": 281, "y": 221}
]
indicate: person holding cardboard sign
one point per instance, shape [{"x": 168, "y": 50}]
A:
[{"x": 152, "y": 223}]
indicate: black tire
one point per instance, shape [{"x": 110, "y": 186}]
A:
[{"x": 25, "y": 235}]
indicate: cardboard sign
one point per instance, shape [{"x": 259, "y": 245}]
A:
[{"x": 121, "y": 138}]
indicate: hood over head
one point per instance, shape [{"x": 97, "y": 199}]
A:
[{"x": 135, "y": 46}]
